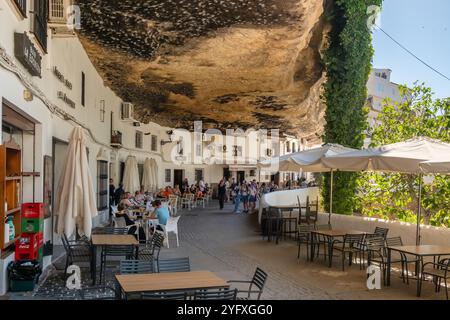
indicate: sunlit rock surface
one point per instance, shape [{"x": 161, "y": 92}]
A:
[{"x": 229, "y": 63}]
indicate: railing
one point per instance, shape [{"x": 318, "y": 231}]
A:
[
  {"x": 116, "y": 138},
  {"x": 40, "y": 22},
  {"x": 22, "y": 6},
  {"x": 57, "y": 13}
]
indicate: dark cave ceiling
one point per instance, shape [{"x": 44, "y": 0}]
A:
[{"x": 229, "y": 63}]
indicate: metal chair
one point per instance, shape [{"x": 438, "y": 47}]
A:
[
  {"x": 382, "y": 232},
  {"x": 304, "y": 237},
  {"x": 439, "y": 271},
  {"x": 114, "y": 251},
  {"x": 76, "y": 251},
  {"x": 99, "y": 293},
  {"x": 152, "y": 253},
  {"x": 321, "y": 241},
  {"x": 349, "y": 246},
  {"x": 136, "y": 266},
  {"x": 171, "y": 295},
  {"x": 174, "y": 265},
  {"x": 259, "y": 280},
  {"x": 225, "y": 294},
  {"x": 396, "y": 242}
]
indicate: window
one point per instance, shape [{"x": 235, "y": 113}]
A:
[
  {"x": 237, "y": 151},
  {"x": 198, "y": 150},
  {"x": 139, "y": 139},
  {"x": 21, "y": 6},
  {"x": 269, "y": 152},
  {"x": 102, "y": 111},
  {"x": 102, "y": 185},
  {"x": 154, "y": 143},
  {"x": 83, "y": 89},
  {"x": 39, "y": 23},
  {"x": 198, "y": 175},
  {"x": 141, "y": 171},
  {"x": 252, "y": 173},
  {"x": 180, "y": 148},
  {"x": 288, "y": 147},
  {"x": 168, "y": 175},
  {"x": 294, "y": 147}
]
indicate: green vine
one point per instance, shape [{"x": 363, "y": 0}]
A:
[{"x": 348, "y": 62}]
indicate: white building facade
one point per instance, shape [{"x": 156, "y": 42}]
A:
[
  {"x": 48, "y": 85},
  {"x": 380, "y": 87}
]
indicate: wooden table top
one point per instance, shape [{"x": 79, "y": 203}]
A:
[
  {"x": 114, "y": 240},
  {"x": 337, "y": 232},
  {"x": 423, "y": 250},
  {"x": 154, "y": 282}
]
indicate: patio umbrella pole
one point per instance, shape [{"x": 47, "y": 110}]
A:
[
  {"x": 331, "y": 199},
  {"x": 419, "y": 212}
]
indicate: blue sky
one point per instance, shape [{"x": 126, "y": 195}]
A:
[{"x": 424, "y": 28}]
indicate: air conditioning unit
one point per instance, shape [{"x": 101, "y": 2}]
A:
[
  {"x": 61, "y": 95},
  {"x": 127, "y": 111}
]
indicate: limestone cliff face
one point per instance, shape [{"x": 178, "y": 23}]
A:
[{"x": 229, "y": 63}]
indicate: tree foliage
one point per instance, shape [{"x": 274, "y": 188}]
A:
[
  {"x": 348, "y": 64},
  {"x": 395, "y": 196}
]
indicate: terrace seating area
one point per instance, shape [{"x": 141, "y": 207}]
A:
[{"x": 226, "y": 247}]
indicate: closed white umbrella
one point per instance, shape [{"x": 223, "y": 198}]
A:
[
  {"x": 75, "y": 202},
  {"x": 155, "y": 173},
  {"x": 439, "y": 166},
  {"x": 404, "y": 157},
  {"x": 147, "y": 178},
  {"x": 308, "y": 161},
  {"x": 131, "y": 181}
]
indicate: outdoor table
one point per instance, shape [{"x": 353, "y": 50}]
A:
[
  {"x": 419, "y": 252},
  {"x": 330, "y": 235},
  {"x": 104, "y": 240},
  {"x": 171, "y": 281},
  {"x": 269, "y": 225}
]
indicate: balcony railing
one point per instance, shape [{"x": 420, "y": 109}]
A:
[
  {"x": 40, "y": 22},
  {"x": 21, "y": 6},
  {"x": 116, "y": 138}
]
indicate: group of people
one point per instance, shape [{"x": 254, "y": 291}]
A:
[
  {"x": 200, "y": 189},
  {"x": 127, "y": 203},
  {"x": 246, "y": 193}
]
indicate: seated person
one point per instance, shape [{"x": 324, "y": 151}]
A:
[
  {"x": 139, "y": 197},
  {"x": 126, "y": 200},
  {"x": 161, "y": 213},
  {"x": 167, "y": 192},
  {"x": 176, "y": 191},
  {"x": 161, "y": 193},
  {"x": 123, "y": 213}
]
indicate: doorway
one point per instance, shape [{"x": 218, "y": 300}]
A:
[
  {"x": 241, "y": 176},
  {"x": 226, "y": 173},
  {"x": 178, "y": 176},
  {"x": 59, "y": 153}
]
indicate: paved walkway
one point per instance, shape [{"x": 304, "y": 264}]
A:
[{"x": 231, "y": 245}]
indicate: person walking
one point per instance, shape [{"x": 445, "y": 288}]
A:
[
  {"x": 236, "y": 198},
  {"x": 245, "y": 195},
  {"x": 222, "y": 193}
]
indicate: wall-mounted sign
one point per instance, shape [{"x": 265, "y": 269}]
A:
[
  {"x": 61, "y": 78},
  {"x": 27, "y": 54},
  {"x": 66, "y": 99}
]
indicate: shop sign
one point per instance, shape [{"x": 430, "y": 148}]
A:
[
  {"x": 27, "y": 54},
  {"x": 62, "y": 78}
]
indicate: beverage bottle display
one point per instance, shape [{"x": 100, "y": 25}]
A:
[{"x": 12, "y": 229}]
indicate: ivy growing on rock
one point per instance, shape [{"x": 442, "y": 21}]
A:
[{"x": 348, "y": 61}]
